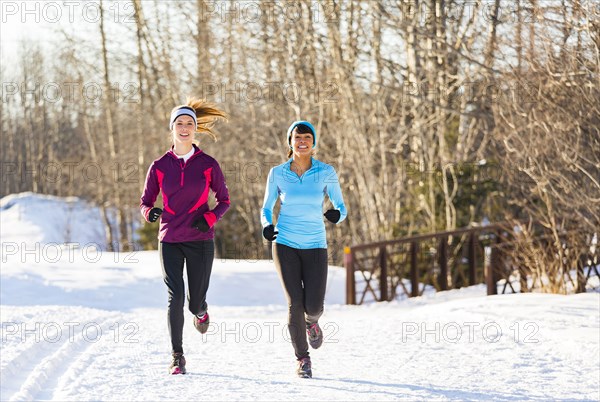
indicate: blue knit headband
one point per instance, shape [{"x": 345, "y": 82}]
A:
[
  {"x": 296, "y": 123},
  {"x": 183, "y": 110}
]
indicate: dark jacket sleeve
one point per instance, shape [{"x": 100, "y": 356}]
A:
[{"x": 151, "y": 190}]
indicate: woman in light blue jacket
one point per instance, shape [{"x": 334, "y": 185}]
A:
[{"x": 299, "y": 240}]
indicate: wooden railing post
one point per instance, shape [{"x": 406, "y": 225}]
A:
[
  {"x": 581, "y": 278},
  {"x": 414, "y": 275},
  {"x": 492, "y": 267},
  {"x": 383, "y": 282},
  {"x": 472, "y": 264},
  {"x": 350, "y": 281},
  {"x": 443, "y": 261}
]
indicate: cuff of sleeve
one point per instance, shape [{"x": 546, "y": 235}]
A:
[{"x": 211, "y": 219}]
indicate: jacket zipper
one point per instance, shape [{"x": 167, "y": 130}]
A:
[
  {"x": 182, "y": 165},
  {"x": 182, "y": 172}
]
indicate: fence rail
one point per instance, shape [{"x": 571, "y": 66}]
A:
[{"x": 443, "y": 261}]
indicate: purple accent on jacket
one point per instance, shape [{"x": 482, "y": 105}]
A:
[{"x": 185, "y": 188}]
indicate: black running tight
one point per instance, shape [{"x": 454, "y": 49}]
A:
[
  {"x": 303, "y": 274},
  {"x": 198, "y": 257}
]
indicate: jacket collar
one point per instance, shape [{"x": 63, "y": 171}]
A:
[
  {"x": 197, "y": 151},
  {"x": 313, "y": 163}
]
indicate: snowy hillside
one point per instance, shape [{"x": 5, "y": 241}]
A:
[
  {"x": 83, "y": 324},
  {"x": 35, "y": 218}
]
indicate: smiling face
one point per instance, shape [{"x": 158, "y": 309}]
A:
[
  {"x": 183, "y": 130},
  {"x": 302, "y": 143}
]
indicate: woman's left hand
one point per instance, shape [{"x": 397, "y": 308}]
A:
[{"x": 201, "y": 224}]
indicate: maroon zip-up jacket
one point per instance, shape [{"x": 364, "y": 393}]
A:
[{"x": 185, "y": 189}]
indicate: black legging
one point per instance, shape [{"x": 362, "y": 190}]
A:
[
  {"x": 303, "y": 274},
  {"x": 198, "y": 256}
]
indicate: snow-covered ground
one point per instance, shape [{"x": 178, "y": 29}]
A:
[{"x": 83, "y": 324}]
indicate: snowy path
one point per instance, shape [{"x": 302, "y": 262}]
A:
[
  {"x": 548, "y": 349},
  {"x": 81, "y": 325}
]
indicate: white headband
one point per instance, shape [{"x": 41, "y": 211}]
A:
[{"x": 184, "y": 110}]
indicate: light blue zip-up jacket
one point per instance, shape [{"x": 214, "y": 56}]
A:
[{"x": 301, "y": 222}]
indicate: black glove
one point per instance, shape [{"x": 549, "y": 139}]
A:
[
  {"x": 270, "y": 233},
  {"x": 201, "y": 224},
  {"x": 154, "y": 214},
  {"x": 332, "y": 215}
]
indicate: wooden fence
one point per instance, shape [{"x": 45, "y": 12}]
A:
[{"x": 443, "y": 261}]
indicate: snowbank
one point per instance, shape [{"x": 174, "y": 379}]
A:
[{"x": 29, "y": 218}]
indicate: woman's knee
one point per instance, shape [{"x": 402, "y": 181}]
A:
[
  {"x": 176, "y": 300},
  {"x": 296, "y": 307},
  {"x": 313, "y": 312}
]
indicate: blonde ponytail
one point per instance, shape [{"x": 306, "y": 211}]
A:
[{"x": 208, "y": 114}]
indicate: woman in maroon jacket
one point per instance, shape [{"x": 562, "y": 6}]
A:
[{"x": 184, "y": 175}]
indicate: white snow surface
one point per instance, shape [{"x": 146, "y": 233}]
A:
[{"x": 83, "y": 324}]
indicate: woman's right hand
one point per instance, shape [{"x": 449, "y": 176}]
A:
[
  {"x": 270, "y": 233},
  {"x": 332, "y": 215},
  {"x": 154, "y": 214}
]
